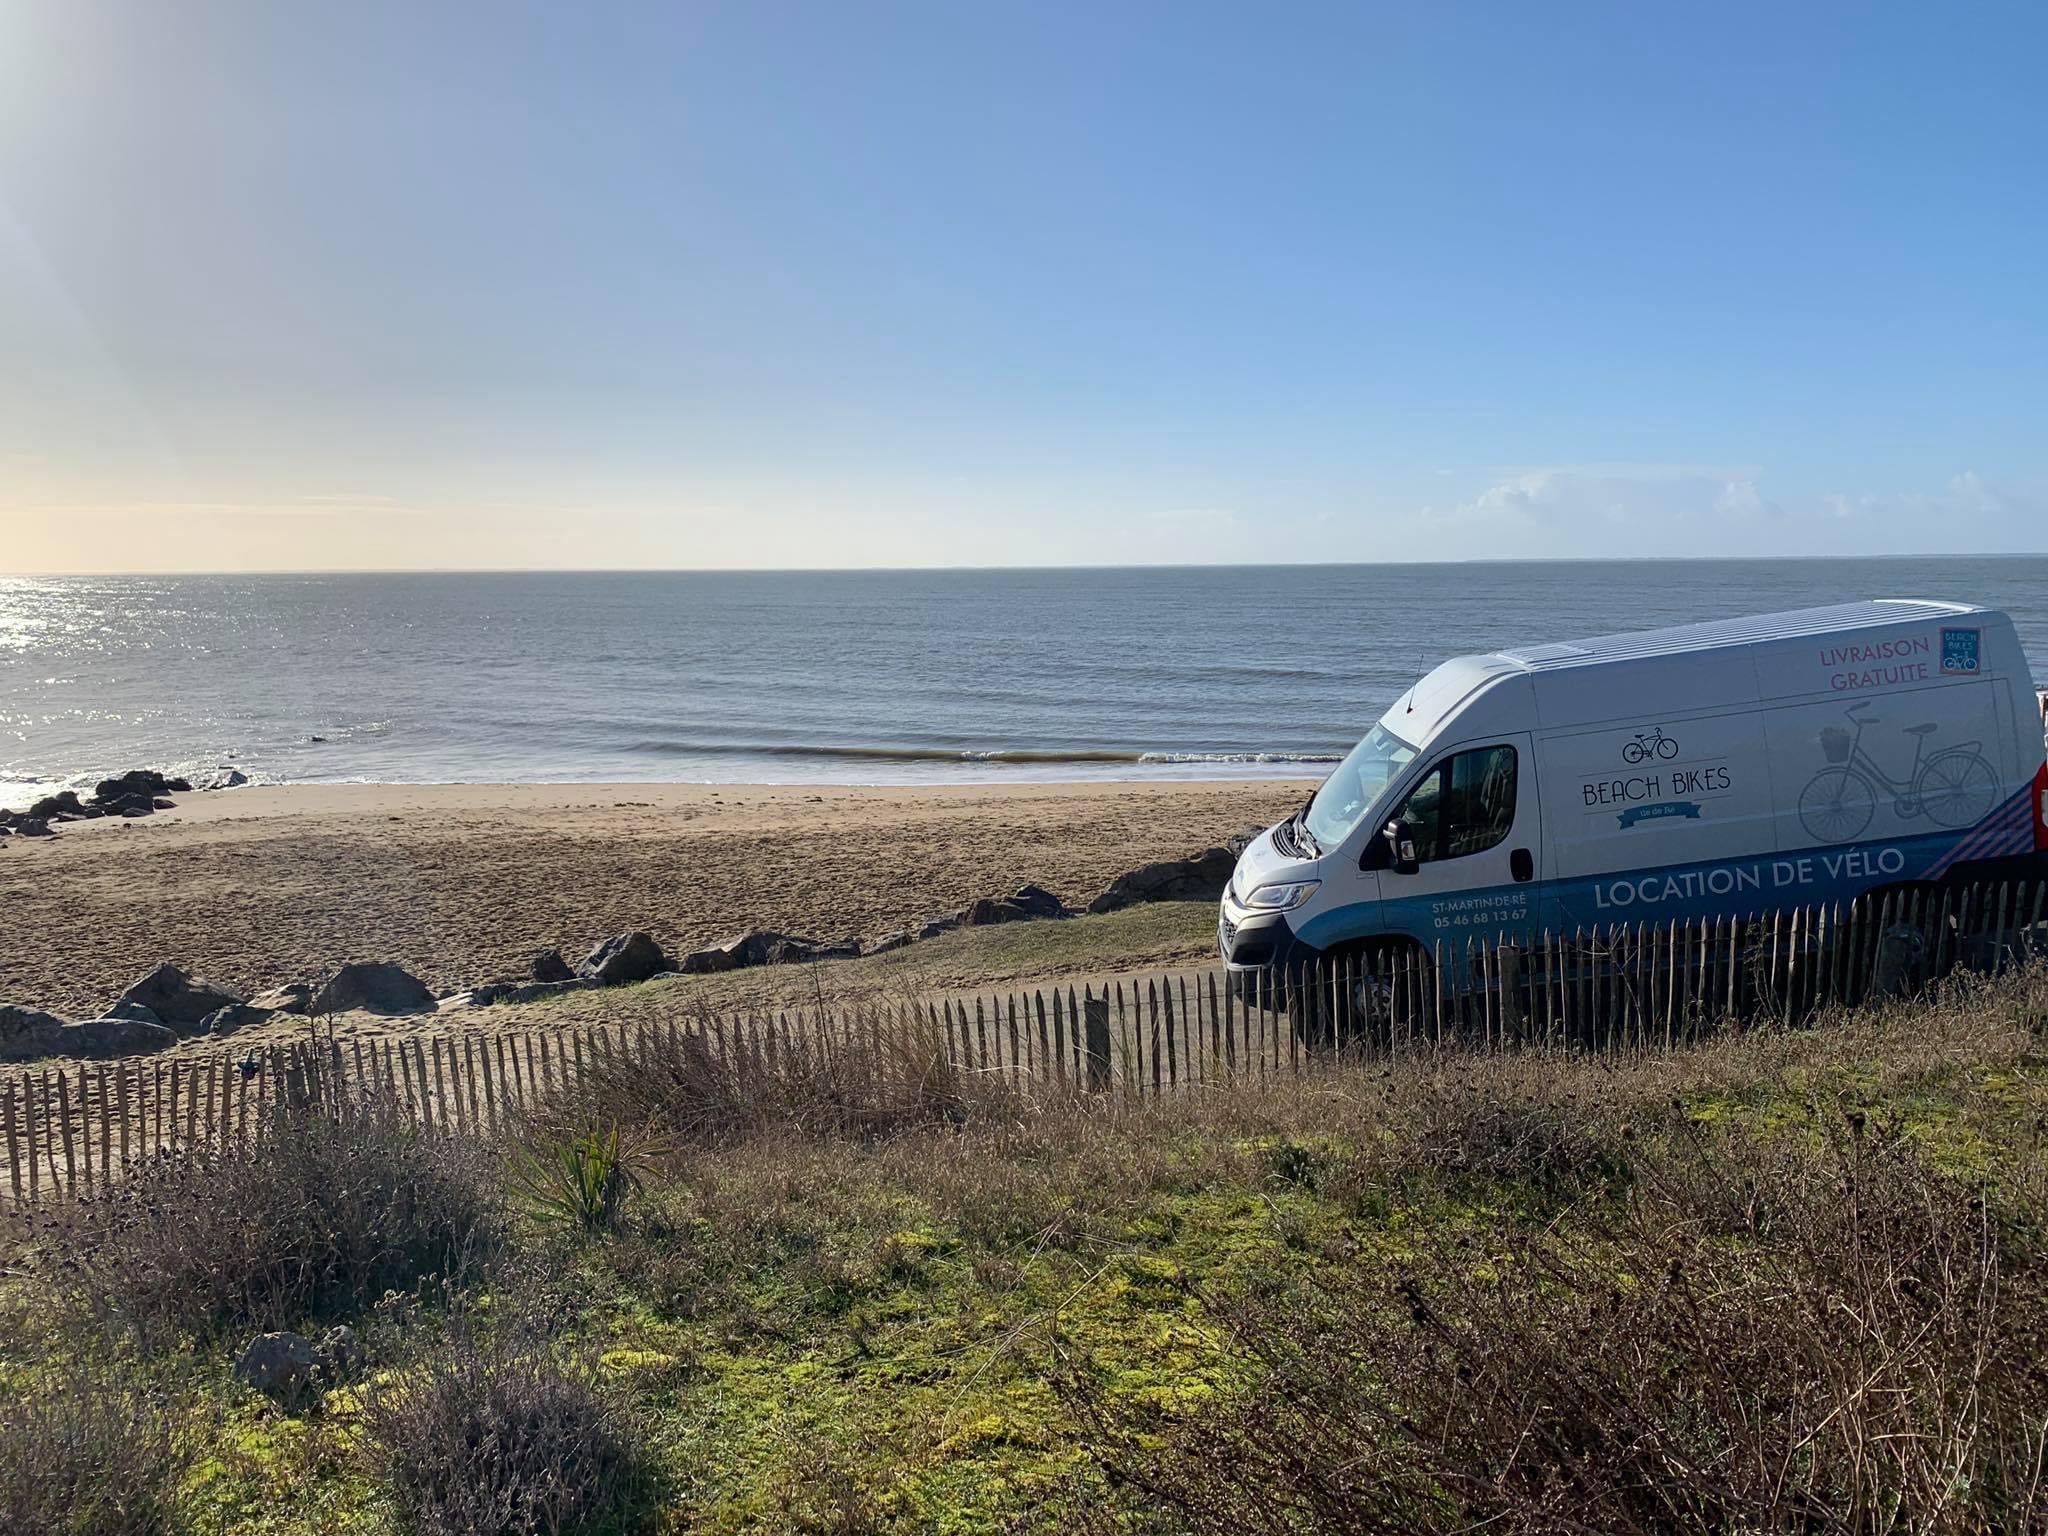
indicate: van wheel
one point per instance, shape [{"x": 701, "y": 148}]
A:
[
  {"x": 1899, "y": 959},
  {"x": 1361, "y": 997}
]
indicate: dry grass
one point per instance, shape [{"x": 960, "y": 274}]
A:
[
  {"x": 1792, "y": 1281},
  {"x": 315, "y": 1224},
  {"x": 88, "y": 1455},
  {"x": 504, "y": 1439}
]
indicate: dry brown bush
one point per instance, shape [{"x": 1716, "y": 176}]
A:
[
  {"x": 317, "y": 1221},
  {"x": 1775, "y": 1334},
  {"x": 505, "y": 1439},
  {"x": 87, "y": 1456}
]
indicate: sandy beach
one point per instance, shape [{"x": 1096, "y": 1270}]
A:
[{"x": 463, "y": 883}]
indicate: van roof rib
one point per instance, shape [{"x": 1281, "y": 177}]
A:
[{"x": 1799, "y": 623}]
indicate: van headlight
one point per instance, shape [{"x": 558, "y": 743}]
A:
[{"x": 1281, "y": 898}]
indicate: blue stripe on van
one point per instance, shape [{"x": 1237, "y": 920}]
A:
[{"x": 1679, "y": 892}]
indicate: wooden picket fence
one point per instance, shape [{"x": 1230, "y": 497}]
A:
[{"x": 70, "y": 1130}]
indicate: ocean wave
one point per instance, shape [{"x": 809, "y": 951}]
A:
[
  {"x": 1042, "y": 756},
  {"x": 1240, "y": 757}
]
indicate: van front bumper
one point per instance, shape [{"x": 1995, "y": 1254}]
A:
[{"x": 1259, "y": 941}]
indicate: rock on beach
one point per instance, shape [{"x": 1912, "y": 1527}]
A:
[
  {"x": 178, "y": 999},
  {"x": 372, "y": 987}
]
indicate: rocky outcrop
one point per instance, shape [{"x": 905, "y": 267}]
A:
[
  {"x": 124, "y": 1009},
  {"x": 625, "y": 958},
  {"x": 178, "y": 999},
  {"x": 95, "y": 1039},
  {"x": 27, "y": 1034},
  {"x": 372, "y": 987},
  {"x": 764, "y": 946},
  {"x": 549, "y": 966},
  {"x": 1029, "y": 903},
  {"x": 143, "y": 783},
  {"x": 1200, "y": 878}
]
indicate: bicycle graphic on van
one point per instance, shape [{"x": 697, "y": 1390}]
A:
[
  {"x": 1648, "y": 744},
  {"x": 1954, "y": 787}
]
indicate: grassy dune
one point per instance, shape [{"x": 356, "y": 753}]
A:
[{"x": 1777, "y": 1282}]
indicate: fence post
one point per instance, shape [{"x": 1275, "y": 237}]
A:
[
  {"x": 64, "y": 1125},
  {"x": 1095, "y": 1017},
  {"x": 14, "y": 1143}
]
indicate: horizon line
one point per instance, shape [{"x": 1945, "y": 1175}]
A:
[{"x": 926, "y": 570}]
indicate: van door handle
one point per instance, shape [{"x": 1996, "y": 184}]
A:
[{"x": 1522, "y": 865}]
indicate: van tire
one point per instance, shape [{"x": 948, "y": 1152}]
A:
[{"x": 1348, "y": 1001}]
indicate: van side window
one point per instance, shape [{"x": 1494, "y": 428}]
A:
[{"x": 1465, "y": 805}]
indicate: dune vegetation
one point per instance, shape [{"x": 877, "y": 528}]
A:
[{"x": 1778, "y": 1281}]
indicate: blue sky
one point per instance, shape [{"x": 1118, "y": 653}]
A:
[{"x": 889, "y": 284}]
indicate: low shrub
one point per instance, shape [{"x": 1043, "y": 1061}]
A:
[
  {"x": 686, "y": 1092},
  {"x": 317, "y": 1221},
  {"x": 504, "y": 1441},
  {"x": 1827, "y": 1337},
  {"x": 87, "y": 1457}
]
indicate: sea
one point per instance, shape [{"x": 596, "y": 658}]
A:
[{"x": 868, "y": 677}]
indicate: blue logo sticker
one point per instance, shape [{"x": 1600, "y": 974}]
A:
[
  {"x": 1689, "y": 809},
  {"x": 1959, "y": 650}
]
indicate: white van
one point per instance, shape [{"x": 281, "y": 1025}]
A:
[{"x": 1721, "y": 769}]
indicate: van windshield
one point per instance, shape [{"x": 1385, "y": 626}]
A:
[{"x": 1349, "y": 793}]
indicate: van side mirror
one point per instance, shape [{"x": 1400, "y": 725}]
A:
[{"x": 1401, "y": 850}]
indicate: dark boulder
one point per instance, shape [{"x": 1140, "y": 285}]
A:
[
  {"x": 161, "y": 804},
  {"x": 764, "y": 946},
  {"x": 292, "y": 997},
  {"x": 886, "y": 943},
  {"x": 373, "y": 987},
  {"x": 549, "y": 965},
  {"x": 142, "y": 783},
  {"x": 1029, "y": 904},
  {"x": 179, "y": 1000},
  {"x": 31, "y": 826},
  {"x": 65, "y": 803},
  {"x": 937, "y": 926},
  {"x": 283, "y": 1366},
  {"x": 236, "y": 1016},
  {"x": 28, "y": 1033},
  {"x": 94, "y": 1039},
  {"x": 1200, "y": 878},
  {"x": 625, "y": 958},
  {"x": 707, "y": 962},
  {"x": 124, "y": 1009}
]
